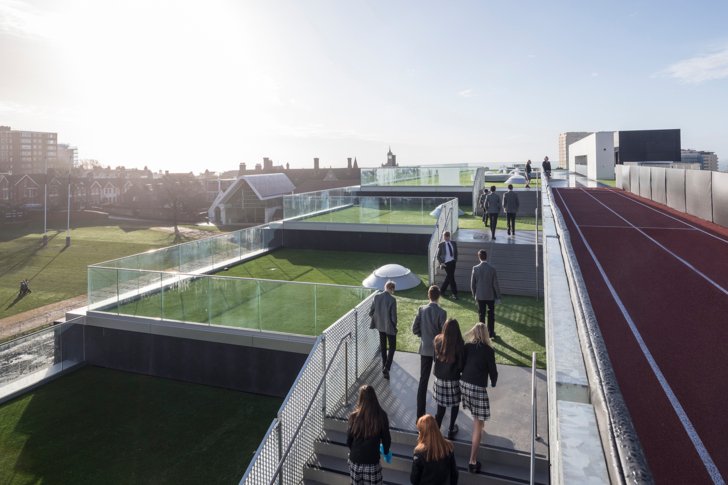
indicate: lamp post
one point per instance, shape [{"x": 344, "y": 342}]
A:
[
  {"x": 44, "y": 243},
  {"x": 68, "y": 213}
]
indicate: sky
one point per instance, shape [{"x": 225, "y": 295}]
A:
[{"x": 188, "y": 86}]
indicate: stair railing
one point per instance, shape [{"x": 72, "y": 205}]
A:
[
  {"x": 534, "y": 419},
  {"x": 278, "y": 473}
]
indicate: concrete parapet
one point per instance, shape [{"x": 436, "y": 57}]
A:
[{"x": 579, "y": 446}]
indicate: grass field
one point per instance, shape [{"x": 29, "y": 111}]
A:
[
  {"x": 102, "y": 426},
  {"x": 57, "y": 273},
  {"x": 609, "y": 182},
  {"x": 371, "y": 215},
  {"x": 519, "y": 320}
]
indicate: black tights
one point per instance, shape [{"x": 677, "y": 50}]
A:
[{"x": 441, "y": 414}]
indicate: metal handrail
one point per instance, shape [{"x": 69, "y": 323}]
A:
[
  {"x": 344, "y": 340},
  {"x": 534, "y": 419}
]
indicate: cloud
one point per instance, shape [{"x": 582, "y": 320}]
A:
[
  {"x": 699, "y": 69},
  {"x": 23, "y": 20},
  {"x": 466, "y": 93}
]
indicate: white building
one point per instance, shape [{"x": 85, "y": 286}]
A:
[
  {"x": 566, "y": 139},
  {"x": 593, "y": 155}
]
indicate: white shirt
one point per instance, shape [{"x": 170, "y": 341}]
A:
[{"x": 448, "y": 252}]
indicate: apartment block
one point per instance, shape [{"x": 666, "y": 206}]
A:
[
  {"x": 707, "y": 160},
  {"x": 25, "y": 152}
]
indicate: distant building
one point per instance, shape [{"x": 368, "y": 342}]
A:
[
  {"x": 251, "y": 199},
  {"x": 26, "y": 152},
  {"x": 391, "y": 159},
  {"x": 706, "y": 160},
  {"x": 566, "y": 139},
  {"x": 66, "y": 157}
]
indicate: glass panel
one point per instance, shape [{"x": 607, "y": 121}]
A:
[
  {"x": 287, "y": 307},
  {"x": 101, "y": 288},
  {"x": 234, "y": 302},
  {"x": 186, "y": 298},
  {"x": 140, "y": 293},
  {"x": 333, "y": 302}
]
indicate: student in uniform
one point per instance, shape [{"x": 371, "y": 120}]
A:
[{"x": 368, "y": 428}]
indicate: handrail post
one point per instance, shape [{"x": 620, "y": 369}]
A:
[
  {"x": 536, "y": 248},
  {"x": 346, "y": 372},
  {"x": 533, "y": 417},
  {"x": 356, "y": 343},
  {"x": 280, "y": 447},
  {"x": 323, "y": 373}
]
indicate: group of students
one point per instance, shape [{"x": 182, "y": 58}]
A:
[
  {"x": 491, "y": 205},
  {"x": 462, "y": 367}
]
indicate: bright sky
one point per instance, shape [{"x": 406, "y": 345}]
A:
[{"x": 185, "y": 85}]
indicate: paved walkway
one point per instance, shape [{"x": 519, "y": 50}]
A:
[
  {"x": 38, "y": 317},
  {"x": 510, "y": 403}
]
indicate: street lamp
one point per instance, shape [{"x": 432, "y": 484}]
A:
[{"x": 44, "y": 243}]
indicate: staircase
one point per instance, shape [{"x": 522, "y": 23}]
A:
[
  {"x": 329, "y": 464},
  {"x": 513, "y": 258}
]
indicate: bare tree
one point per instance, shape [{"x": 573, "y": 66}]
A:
[{"x": 183, "y": 195}]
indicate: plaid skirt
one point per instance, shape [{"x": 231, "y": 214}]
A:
[
  {"x": 447, "y": 393},
  {"x": 475, "y": 399},
  {"x": 365, "y": 474}
]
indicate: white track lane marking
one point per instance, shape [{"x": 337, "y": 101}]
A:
[
  {"x": 643, "y": 227},
  {"x": 677, "y": 407},
  {"x": 697, "y": 228},
  {"x": 696, "y": 270}
]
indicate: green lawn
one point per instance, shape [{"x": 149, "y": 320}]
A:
[
  {"x": 57, "y": 273},
  {"x": 102, "y": 426},
  {"x": 519, "y": 320},
  {"x": 609, "y": 182}
]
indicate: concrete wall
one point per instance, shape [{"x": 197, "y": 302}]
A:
[
  {"x": 378, "y": 238},
  {"x": 249, "y": 361}
]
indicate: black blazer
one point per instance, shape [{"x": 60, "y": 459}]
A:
[{"x": 440, "y": 472}]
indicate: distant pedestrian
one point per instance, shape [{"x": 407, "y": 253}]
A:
[
  {"x": 481, "y": 204},
  {"x": 434, "y": 458},
  {"x": 492, "y": 209},
  {"x": 384, "y": 319},
  {"x": 486, "y": 290},
  {"x": 528, "y": 174},
  {"x": 24, "y": 288},
  {"x": 448, "y": 366},
  {"x": 447, "y": 255},
  {"x": 368, "y": 428},
  {"x": 546, "y": 165},
  {"x": 510, "y": 206},
  {"x": 479, "y": 365},
  {"x": 427, "y": 324}
]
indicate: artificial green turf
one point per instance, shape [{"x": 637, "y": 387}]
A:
[
  {"x": 609, "y": 182},
  {"x": 57, "y": 273},
  {"x": 370, "y": 215},
  {"x": 519, "y": 320},
  {"x": 102, "y": 426}
]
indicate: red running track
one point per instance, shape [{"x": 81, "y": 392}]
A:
[{"x": 664, "y": 322}]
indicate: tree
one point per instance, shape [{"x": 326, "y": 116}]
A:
[{"x": 183, "y": 195}]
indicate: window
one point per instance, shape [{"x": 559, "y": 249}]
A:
[
  {"x": 30, "y": 192},
  {"x": 581, "y": 160},
  {"x": 4, "y": 193}
]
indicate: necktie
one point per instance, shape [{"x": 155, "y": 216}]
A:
[{"x": 449, "y": 249}]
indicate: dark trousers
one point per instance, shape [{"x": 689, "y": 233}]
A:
[
  {"x": 449, "y": 278},
  {"x": 490, "y": 305},
  {"x": 493, "y": 218},
  {"x": 511, "y": 222},
  {"x": 425, "y": 370},
  {"x": 387, "y": 357}
]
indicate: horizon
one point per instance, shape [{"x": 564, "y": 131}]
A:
[{"x": 176, "y": 87}]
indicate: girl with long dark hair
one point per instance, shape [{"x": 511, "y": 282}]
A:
[
  {"x": 449, "y": 347},
  {"x": 368, "y": 427}
]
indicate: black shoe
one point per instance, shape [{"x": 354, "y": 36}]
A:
[
  {"x": 493, "y": 238},
  {"x": 452, "y": 432},
  {"x": 474, "y": 468},
  {"x": 509, "y": 233},
  {"x": 385, "y": 373}
]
